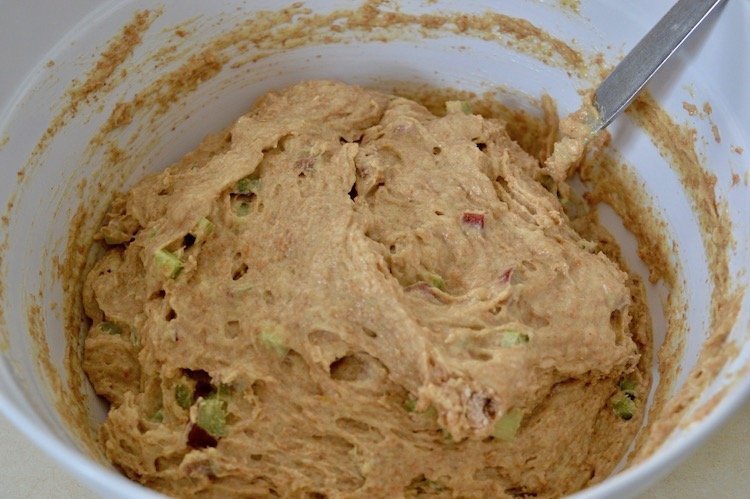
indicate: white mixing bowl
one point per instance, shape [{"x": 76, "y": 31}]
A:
[{"x": 45, "y": 45}]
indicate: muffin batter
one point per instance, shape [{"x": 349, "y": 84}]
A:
[{"x": 345, "y": 295}]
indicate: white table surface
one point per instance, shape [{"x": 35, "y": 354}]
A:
[{"x": 719, "y": 469}]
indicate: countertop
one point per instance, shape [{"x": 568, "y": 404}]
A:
[{"x": 720, "y": 468}]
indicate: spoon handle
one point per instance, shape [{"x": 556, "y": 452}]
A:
[{"x": 633, "y": 72}]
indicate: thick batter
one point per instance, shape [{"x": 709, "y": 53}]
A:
[{"x": 345, "y": 295}]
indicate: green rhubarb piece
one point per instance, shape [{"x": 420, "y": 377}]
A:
[
  {"x": 272, "y": 338},
  {"x": 623, "y": 406},
  {"x": 507, "y": 425},
  {"x": 158, "y": 416},
  {"x": 436, "y": 281},
  {"x": 431, "y": 413},
  {"x": 458, "y": 106},
  {"x": 110, "y": 328},
  {"x": 203, "y": 229},
  {"x": 513, "y": 338},
  {"x": 169, "y": 263},
  {"x": 410, "y": 405},
  {"x": 212, "y": 417},
  {"x": 242, "y": 209},
  {"x": 248, "y": 185},
  {"x": 184, "y": 396},
  {"x": 224, "y": 391},
  {"x": 628, "y": 386}
]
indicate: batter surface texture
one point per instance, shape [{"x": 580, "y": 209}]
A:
[{"x": 346, "y": 295}]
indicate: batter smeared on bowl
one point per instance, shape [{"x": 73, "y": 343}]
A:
[{"x": 347, "y": 295}]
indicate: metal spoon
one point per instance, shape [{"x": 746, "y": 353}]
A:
[{"x": 636, "y": 69}]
